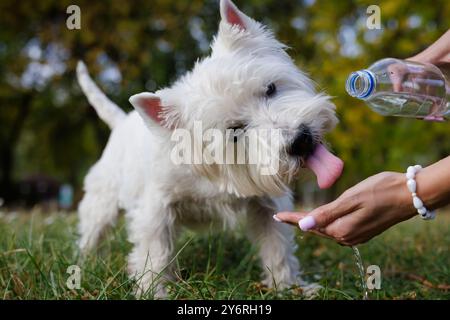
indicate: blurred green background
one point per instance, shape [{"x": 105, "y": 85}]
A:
[{"x": 48, "y": 128}]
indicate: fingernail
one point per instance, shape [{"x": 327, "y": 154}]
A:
[
  {"x": 307, "y": 223},
  {"x": 276, "y": 218}
]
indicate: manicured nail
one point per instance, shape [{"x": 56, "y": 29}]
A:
[
  {"x": 276, "y": 218},
  {"x": 307, "y": 223}
]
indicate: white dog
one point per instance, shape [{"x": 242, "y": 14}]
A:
[{"x": 248, "y": 82}]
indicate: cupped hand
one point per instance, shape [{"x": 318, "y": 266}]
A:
[{"x": 361, "y": 212}]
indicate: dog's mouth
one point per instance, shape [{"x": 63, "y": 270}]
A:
[
  {"x": 315, "y": 156},
  {"x": 325, "y": 165},
  {"x": 312, "y": 154}
]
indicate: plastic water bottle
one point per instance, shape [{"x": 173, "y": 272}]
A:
[{"x": 393, "y": 87}]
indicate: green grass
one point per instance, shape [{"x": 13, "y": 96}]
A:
[{"x": 36, "y": 249}]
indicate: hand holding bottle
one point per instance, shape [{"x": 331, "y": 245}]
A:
[
  {"x": 438, "y": 53},
  {"x": 413, "y": 88}
]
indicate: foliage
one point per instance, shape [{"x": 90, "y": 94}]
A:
[{"x": 48, "y": 126}]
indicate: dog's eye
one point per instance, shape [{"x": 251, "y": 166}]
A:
[{"x": 271, "y": 90}]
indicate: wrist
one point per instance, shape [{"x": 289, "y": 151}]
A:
[
  {"x": 426, "y": 190},
  {"x": 433, "y": 184},
  {"x": 401, "y": 197},
  {"x": 398, "y": 196}
]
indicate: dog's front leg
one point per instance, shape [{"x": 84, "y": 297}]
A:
[
  {"x": 276, "y": 245},
  {"x": 151, "y": 232}
]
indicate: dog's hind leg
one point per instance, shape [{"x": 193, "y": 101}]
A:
[{"x": 98, "y": 208}]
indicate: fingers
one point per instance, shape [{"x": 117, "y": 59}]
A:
[
  {"x": 357, "y": 227},
  {"x": 324, "y": 215},
  {"x": 396, "y": 74},
  {"x": 322, "y": 234},
  {"x": 320, "y": 217},
  {"x": 326, "y": 232},
  {"x": 294, "y": 217},
  {"x": 289, "y": 217},
  {"x": 438, "y": 52}
]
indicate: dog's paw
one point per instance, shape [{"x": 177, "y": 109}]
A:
[
  {"x": 146, "y": 290},
  {"x": 308, "y": 290},
  {"x": 279, "y": 285},
  {"x": 311, "y": 290}
]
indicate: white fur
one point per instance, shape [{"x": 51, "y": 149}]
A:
[{"x": 135, "y": 172}]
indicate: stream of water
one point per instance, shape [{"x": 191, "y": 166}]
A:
[{"x": 361, "y": 270}]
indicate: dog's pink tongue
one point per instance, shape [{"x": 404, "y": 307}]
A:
[{"x": 326, "y": 166}]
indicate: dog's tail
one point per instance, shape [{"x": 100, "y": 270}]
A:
[{"x": 107, "y": 110}]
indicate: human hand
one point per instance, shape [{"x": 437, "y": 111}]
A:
[
  {"x": 361, "y": 212},
  {"x": 437, "y": 53}
]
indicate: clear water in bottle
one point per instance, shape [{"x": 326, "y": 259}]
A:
[{"x": 393, "y": 87}]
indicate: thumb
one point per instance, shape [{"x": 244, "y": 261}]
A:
[{"x": 324, "y": 215}]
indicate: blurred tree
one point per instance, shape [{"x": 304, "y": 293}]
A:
[{"x": 46, "y": 125}]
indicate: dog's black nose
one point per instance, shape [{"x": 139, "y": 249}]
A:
[{"x": 303, "y": 143}]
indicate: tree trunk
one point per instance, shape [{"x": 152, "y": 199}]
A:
[{"x": 7, "y": 191}]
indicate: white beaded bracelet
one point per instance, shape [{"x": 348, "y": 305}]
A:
[{"x": 412, "y": 187}]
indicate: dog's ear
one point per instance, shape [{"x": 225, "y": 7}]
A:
[
  {"x": 232, "y": 15},
  {"x": 149, "y": 107}
]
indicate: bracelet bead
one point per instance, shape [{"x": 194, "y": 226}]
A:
[
  {"x": 411, "y": 183},
  {"x": 410, "y": 175},
  {"x": 422, "y": 211},
  {"x": 412, "y": 187},
  {"x": 417, "y": 203}
]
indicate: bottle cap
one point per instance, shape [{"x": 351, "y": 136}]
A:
[{"x": 360, "y": 84}]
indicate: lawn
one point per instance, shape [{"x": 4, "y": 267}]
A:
[{"x": 36, "y": 250}]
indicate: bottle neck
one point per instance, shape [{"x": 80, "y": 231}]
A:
[{"x": 361, "y": 84}]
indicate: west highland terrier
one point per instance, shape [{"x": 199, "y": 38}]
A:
[{"x": 247, "y": 84}]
